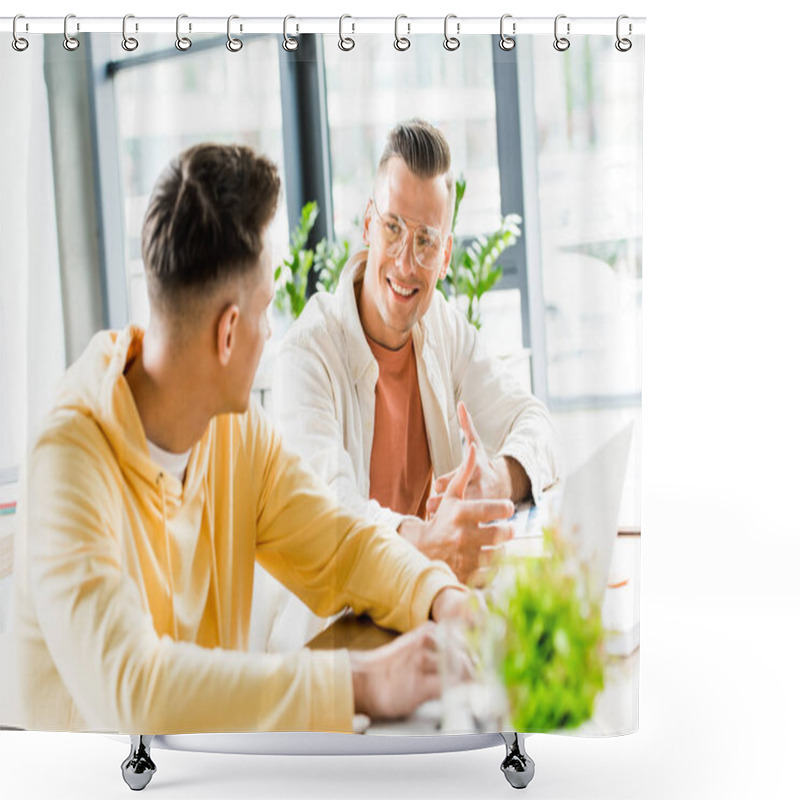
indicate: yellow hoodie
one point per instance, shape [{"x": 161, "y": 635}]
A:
[{"x": 134, "y": 591}]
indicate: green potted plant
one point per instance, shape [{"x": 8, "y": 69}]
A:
[
  {"x": 327, "y": 260},
  {"x": 473, "y": 268},
  {"x": 291, "y": 277}
]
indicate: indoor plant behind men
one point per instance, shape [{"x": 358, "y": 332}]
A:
[
  {"x": 155, "y": 485},
  {"x": 375, "y": 384}
]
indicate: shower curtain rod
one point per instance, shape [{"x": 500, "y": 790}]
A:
[{"x": 299, "y": 24}]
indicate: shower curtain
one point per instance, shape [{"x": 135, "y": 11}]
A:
[{"x": 539, "y": 267}]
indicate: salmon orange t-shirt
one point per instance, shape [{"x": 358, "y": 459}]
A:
[{"x": 400, "y": 470}]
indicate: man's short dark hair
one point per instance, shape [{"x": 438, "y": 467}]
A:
[
  {"x": 422, "y": 147},
  {"x": 206, "y": 217}
]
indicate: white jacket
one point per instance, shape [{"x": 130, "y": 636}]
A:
[{"x": 324, "y": 396}]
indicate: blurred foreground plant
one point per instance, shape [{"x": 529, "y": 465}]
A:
[{"x": 552, "y": 664}]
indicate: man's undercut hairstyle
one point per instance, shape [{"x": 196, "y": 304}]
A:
[
  {"x": 424, "y": 151},
  {"x": 205, "y": 219}
]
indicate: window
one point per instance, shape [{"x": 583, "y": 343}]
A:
[
  {"x": 557, "y": 133},
  {"x": 166, "y": 101},
  {"x": 588, "y": 133}
]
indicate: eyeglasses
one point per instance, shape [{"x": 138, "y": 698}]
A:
[{"x": 427, "y": 247}]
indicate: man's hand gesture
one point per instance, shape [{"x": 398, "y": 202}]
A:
[
  {"x": 500, "y": 478},
  {"x": 461, "y": 528}
]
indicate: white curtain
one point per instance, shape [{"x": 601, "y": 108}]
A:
[
  {"x": 32, "y": 350},
  {"x": 32, "y": 327}
]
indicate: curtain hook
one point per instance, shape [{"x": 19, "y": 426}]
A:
[
  {"x": 129, "y": 43},
  {"x": 345, "y": 42},
  {"x": 181, "y": 42},
  {"x": 506, "y": 42},
  {"x": 561, "y": 43},
  {"x": 401, "y": 43},
  {"x": 623, "y": 45},
  {"x": 290, "y": 44},
  {"x": 70, "y": 42},
  {"x": 19, "y": 43},
  {"x": 233, "y": 44},
  {"x": 451, "y": 43}
]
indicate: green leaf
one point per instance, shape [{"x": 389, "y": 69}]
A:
[
  {"x": 461, "y": 187},
  {"x": 290, "y": 292},
  {"x": 330, "y": 259}
]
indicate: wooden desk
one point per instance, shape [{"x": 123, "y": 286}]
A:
[
  {"x": 352, "y": 633},
  {"x": 616, "y": 707}
]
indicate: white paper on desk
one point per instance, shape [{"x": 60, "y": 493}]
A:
[
  {"x": 526, "y": 521},
  {"x": 528, "y": 539},
  {"x": 523, "y": 516}
]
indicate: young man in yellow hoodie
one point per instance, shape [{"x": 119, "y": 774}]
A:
[{"x": 155, "y": 486}]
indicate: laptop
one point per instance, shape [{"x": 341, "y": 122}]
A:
[{"x": 587, "y": 507}]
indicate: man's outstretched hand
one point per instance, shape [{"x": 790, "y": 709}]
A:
[
  {"x": 461, "y": 528},
  {"x": 392, "y": 681},
  {"x": 500, "y": 478}
]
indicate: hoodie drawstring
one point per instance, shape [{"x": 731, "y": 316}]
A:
[
  {"x": 215, "y": 584},
  {"x": 160, "y": 482},
  {"x": 214, "y": 569}
]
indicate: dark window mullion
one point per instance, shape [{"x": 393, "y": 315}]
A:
[
  {"x": 516, "y": 122},
  {"x": 306, "y": 141},
  {"x": 509, "y": 156}
]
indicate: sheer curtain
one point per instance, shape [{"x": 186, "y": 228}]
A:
[{"x": 32, "y": 348}]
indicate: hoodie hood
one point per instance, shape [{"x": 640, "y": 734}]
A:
[{"x": 95, "y": 385}]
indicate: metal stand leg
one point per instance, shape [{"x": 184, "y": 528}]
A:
[
  {"x": 138, "y": 768},
  {"x": 517, "y": 766}
]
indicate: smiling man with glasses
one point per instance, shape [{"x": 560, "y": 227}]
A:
[
  {"x": 376, "y": 384},
  {"x": 414, "y": 255}
]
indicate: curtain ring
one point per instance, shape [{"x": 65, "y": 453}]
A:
[
  {"x": 233, "y": 44},
  {"x": 129, "y": 43},
  {"x": 506, "y": 42},
  {"x": 623, "y": 45},
  {"x": 289, "y": 43},
  {"x": 345, "y": 42},
  {"x": 561, "y": 43},
  {"x": 401, "y": 43},
  {"x": 181, "y": 42},
  {"x": 70, "y": 42},
  {"x": 19, "y": 43},
  {"x": 451, "y": 43}
]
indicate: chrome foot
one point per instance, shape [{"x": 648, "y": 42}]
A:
[
  {"x": 138, "y": 768},
  {"x": 517, "y": 766}
]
